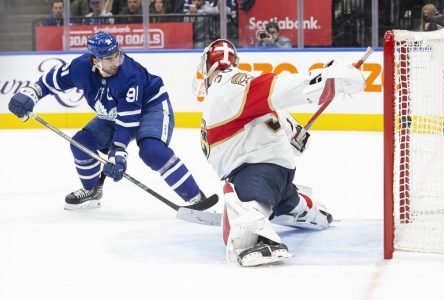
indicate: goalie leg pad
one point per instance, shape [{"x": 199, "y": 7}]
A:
[{"x": 243, "y": 223}]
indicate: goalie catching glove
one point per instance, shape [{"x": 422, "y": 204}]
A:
[
  {"x": 116, "y": 165},
  {"x": 347, "y": 80}
]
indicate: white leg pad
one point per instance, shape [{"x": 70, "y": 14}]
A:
[{"x": 243, "y": 222}]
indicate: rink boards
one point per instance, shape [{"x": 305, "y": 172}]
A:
[{"x": 179, "y": 68}]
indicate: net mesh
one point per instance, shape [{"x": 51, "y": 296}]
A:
[{"x": 419, "y": 141}]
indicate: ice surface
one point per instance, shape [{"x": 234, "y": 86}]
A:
[{"x": 134, "y": 247}]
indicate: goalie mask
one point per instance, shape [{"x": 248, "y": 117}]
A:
[{"x": 219, "y": 54}]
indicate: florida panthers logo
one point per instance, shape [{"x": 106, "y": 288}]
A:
[
  {"x": 241, "y": 79},
  {"x": 204, "y": 139}
]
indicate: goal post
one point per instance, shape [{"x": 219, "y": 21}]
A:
[{"x": 413, "y": 141}]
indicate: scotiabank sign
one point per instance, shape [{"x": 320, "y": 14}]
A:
[
  {"x": 130, "y": 36},
  {"x": 317, "y": 21}
]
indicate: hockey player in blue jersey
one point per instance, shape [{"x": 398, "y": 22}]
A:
[{"x": 130, "y": 104}]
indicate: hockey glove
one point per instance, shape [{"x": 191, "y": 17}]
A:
[
  {"x": 23, "y": 102},
  {"x": 300, "y": 139},
  {"x": 116, "y": 165},
  {"x": 346, "y": 79}
]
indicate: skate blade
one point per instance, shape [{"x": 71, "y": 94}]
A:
[
  {"x": 91, "y": 204},
  {"x": 256, "y": 259}
]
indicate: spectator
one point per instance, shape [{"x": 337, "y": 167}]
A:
[
  {"x": 199, "y": 7},
  {"x": 230, "y": 6},
  {"x": 108, "y": 5},
  {"x": 428, "y": 10},
  {"x": 271, "y": 38},
  {"x": 117, "y": 6},
  {"x": 176, "y": 6},
  {"x": 98, "y": 14},
  {"x": 79, "y": 8},
  {"x": 159, "y": 7},
  {"x": 55, "y": 18},
  {"x": 202, "y": 29},
  {"x": 231, "y": 12},
  {"x": 132, "y": 13},
  {"x": 209, "y": 6}
]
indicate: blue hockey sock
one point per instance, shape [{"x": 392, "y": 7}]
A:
[
  {"x": 159, "y": 157},
  {"x": 87, "y": 167}
]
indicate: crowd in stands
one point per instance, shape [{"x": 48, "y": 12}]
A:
[
  {"x": 130, "y": 11},
  {"x": 199, "y": 12}
]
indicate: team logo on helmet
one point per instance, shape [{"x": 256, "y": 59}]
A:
[{"x": 102, "y": 44}]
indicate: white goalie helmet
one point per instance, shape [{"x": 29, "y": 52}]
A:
[{"x": 220, "y": 54}]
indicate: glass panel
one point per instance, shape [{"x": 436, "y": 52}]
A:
[
  {"x": 351, "y": 26},
  {"x": 265, "y": 25},
  {"x": 185, "y": 24}
]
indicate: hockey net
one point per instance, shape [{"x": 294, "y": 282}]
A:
[{"x": 413, "y": 141}]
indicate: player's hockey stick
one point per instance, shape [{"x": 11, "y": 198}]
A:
[
  {"x": 328, "y": 93},
  {"x": 191, "y": 213}
]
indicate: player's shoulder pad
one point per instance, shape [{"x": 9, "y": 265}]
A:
[{"x": 131, "y": 69}]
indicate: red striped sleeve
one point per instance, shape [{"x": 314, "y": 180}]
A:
[{"x": 256, "y": 104}]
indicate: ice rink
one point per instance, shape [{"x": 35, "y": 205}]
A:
[{"x": 133, "y": 247}]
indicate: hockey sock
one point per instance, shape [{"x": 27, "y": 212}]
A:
[
  {"x": 159, "y": 157},
  {"x": 88, "y": 168}
]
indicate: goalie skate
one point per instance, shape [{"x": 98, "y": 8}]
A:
[
  {"x": 85, "y": 199},
  {"x": 307, "y": 214},
  {"x": 265, "y": 252}
]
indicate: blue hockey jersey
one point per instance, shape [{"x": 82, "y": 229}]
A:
[{"x": 121, "y": 98}]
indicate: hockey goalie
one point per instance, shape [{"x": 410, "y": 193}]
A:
[{"x": 251, "y": 142}]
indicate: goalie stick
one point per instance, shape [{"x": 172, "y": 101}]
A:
[
  {"x": 328, "y": 93},
  {"x": 191, "y": 213},
  {"x": 326, "y": 98}
]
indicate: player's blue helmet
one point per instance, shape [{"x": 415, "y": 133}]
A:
[{"x": 102, "y": 44}]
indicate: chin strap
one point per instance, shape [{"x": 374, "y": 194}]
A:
[{"x": 99, "y": 67}]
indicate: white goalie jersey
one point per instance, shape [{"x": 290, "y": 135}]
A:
[{"x": 240, "y": 122}]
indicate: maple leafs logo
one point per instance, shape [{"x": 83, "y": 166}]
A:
[{"x": 102, "y": 113}]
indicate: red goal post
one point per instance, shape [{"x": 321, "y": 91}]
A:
[{"x": 413, "y": 142}]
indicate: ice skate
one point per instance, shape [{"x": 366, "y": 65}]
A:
[
  {"x": 202, "y": 202},
  {"x": 265, "y": 252},
  {"x": 307, "y": 214},
  {"x": 85, "y": 199}
]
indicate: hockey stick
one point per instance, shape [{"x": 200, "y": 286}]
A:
[
  {"x": 193, "y": 212},
  {"x": 328, "y": 93}
]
